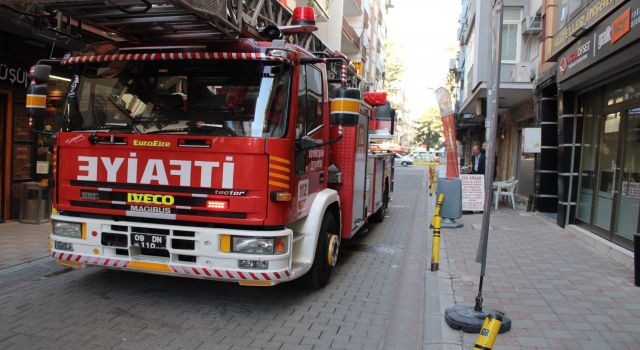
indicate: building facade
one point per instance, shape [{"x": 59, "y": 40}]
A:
[
  {"x": 358, "y": 29},
  {"x": 596, "y": 45},
  {"x": 518, "y": 70},
  {"x": 583, "y": 95},
  {"x": 24, "y": 155}
]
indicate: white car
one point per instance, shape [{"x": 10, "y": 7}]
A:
[{"x": 402, "y": 160}]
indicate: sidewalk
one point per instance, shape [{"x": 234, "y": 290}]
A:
[
  {"x": 559, "y": 292},
  {"x": 22, "y": 243}
]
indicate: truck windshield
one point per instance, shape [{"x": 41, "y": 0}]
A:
[{"x": 221, "y": 98}]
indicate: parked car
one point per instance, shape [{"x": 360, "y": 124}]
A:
[{"x": 402, "y": 160}]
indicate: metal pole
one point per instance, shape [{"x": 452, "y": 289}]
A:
[
  {"x": 465, "y": 317},
  {"x": 490, "y": 137}
]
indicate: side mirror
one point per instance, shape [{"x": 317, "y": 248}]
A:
[
  {"x": 40, "y": 73},
  {"x": 393, "y": 121},
  {"x": 37, "y": 100},
  {"x": 306, "y": 142},
  {"x": 345, "y": 107}
]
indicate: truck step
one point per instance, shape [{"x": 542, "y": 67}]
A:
[{"x": 299, "y": 268}]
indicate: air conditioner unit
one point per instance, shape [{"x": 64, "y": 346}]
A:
[
  {"x": 531, "y": 25},
  {"x": 453, "y": 64},
  {"x": 523, "y": 72}
]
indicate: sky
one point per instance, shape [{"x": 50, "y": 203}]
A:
[{"x": 424, "y": 33}]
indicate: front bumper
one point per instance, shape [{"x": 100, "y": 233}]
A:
[{"x": 199, "y": 245}]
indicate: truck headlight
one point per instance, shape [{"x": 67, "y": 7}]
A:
[
  {"x": 256, "y": 245},
  {"x": 67, "y": 229}
]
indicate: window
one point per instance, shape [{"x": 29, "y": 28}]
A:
[
  {"x": 314, "y": 98},
  {"x": 310, "y": 112},
  {"x": 227, "y": 99},
  {"x": 511, "y": 21}
]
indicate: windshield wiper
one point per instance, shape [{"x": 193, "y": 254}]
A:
[
  {"x": 196, "y": 127},
  {"x": 108, "y": 126}
]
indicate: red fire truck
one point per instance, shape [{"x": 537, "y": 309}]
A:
[{"x": 185, "y": 153}]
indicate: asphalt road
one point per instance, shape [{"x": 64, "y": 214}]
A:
[{"x": 367, "y": 304}]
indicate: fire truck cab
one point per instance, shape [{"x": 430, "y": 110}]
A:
[{"x": 238, "y": 160}]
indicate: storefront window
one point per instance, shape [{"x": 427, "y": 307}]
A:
[
  {"x": 622, "y": 94},
  {"x": 629, "y": 199},
  {"x": 588, "y": 161}
]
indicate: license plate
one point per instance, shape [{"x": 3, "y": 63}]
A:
[{"x": 145, "y": 240}]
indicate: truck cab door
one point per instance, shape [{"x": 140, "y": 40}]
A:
[{"x": 311, "y": 122}]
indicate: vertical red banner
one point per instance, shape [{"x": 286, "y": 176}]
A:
[{"x": 449, "y": 128}]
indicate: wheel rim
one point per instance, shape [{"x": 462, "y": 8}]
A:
[{"x": 333, "y": 248}]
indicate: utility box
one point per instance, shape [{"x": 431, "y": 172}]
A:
[
  {"x": 452, "y": 190},
  {"x": 35, "y": 205}
]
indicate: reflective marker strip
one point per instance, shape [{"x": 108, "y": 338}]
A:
[
  {"x": 279, "y": 176},
  {"x": 36, "y": 101},
  {"x": 230, "y": 274},
  {"x": 150, "y": 266},
  {"x": 83, "y": 259},
  {"x": 278, "y": 167},
  {"x": 279, "y": 159},
  {"x": 279, "y": 184},
  {"x": 345, "y": 105},
  {"x": 254, "y": 56},
  {"x": 78, "y": 260}
]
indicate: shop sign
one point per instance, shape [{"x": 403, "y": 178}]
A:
[
  {"x": 472, "y": 192},
  {"x": 631, "y": 189},
  {"x": 618, "y": 30},
  {"x": 531, "y": 140},
  {"x": 13, "y": 75},
  {"x": 590, "y": 15}
]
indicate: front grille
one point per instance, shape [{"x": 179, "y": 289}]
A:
[
  {"x": 184, "y": 233},
  {"x": 154, "y": 252},
  {"x": 118, "y": 237},
  {"x": 122, "y": 252},
  {"x": 122, "y": 197},
  {"x": 193, "y": 212},
  {"x": 110, "y": 239},
  {"x": 183, "y": 244},
  {"x": 153, "y": 188},
  {"x": 187, "y": 258},
  {"x": 155, "y": 231}
]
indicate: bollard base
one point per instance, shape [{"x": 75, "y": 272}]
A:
[
  {"x": 450, "y": 223},
  {"x": 464, "y": 317},
  {"x": 435, "y": 266}
]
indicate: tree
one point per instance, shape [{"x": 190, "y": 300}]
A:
[
  {"x": 394, "y": 68},
  {"x": 430, "y": 129}
]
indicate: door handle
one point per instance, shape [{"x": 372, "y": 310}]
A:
[{"x": 614, "y": 168}]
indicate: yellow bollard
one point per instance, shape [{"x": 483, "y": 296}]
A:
[
  {"x": 436, "y": 211},
  {"x": 432, "y": 175},
  {"x": 488, "y": 333},
  {"x": 435, "y": 249}
]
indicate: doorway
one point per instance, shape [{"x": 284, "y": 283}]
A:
[
  {"x": 4, "y": 147},
  {"x": 609, "y": 188}
]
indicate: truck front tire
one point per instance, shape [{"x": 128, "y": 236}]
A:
[{"x": 326, "y": 253}]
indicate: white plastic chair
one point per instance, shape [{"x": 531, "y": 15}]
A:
[{"x": 506, "y": 191}]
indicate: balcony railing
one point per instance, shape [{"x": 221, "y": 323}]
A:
[
  {"x": 350, "y": 33},
  {"x": 352, "y": 7}
]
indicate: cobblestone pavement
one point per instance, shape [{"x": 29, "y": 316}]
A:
[
  {"x": 559, "y": 292},
  {"x": 48, "y": 306},
  {"x": 22, "y": 243}
]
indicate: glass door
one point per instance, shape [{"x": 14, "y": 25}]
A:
[
  {"x": 587, "y": 182},
  {"x": 607, "y": 170},
  {"x": 627, "y": 208}
]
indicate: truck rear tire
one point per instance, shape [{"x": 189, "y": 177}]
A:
[
  {"x": 326, "y": 253},
  {"x": 382, "y": 212}
]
